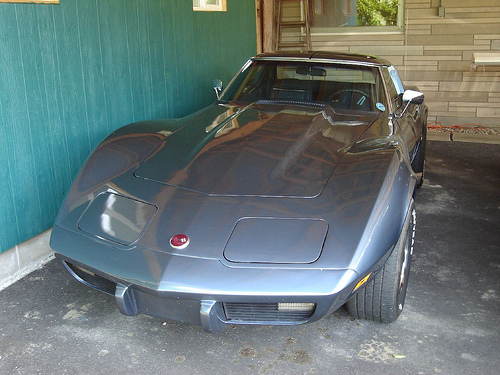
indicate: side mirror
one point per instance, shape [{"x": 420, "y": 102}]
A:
[
  {"x": 410, "y": 97},
  {"x": 217, "y": 86},
  {"x": 413, "y": 97}
]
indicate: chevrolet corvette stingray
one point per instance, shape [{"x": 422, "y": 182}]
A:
[{"x": 290, "y": 196}]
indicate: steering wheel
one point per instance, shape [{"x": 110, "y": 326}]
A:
[{"x": 357, "y": 97}]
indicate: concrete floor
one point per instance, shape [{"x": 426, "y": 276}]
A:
[{"x": 50, "y": 324}]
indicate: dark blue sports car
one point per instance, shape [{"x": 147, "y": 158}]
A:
[{"x": 290, "y": 196}]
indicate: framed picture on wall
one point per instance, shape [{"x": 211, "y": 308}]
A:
[{"x": 210, "y": 5}]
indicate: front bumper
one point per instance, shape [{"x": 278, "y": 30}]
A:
[{"x": 206, "y": 292}]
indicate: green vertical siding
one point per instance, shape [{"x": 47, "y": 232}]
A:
[{"x": 72, "y": 73}]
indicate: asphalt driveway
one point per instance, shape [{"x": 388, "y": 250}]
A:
[{"x": 50, "y": 324}]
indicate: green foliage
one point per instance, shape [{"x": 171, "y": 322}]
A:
[{"x": 377, "y": 12}]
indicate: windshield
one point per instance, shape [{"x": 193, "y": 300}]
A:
[{"x": 339, "y": 85}]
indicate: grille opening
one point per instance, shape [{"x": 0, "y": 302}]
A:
[
  {"x": 268, "y": 312},
  {"x": 91, "y": 279}
]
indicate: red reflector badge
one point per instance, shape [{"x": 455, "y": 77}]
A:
[{"x": 179, "y": 241}]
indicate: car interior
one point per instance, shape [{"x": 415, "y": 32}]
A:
[{"x": 341, "y": 87}]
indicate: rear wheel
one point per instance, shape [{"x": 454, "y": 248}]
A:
[{"x": 383, "y": 298}]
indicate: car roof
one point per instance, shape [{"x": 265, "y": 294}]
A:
[{"x": 324, "y": 56}]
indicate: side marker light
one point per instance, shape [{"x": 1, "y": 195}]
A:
[{"x": 362, "y": 281}]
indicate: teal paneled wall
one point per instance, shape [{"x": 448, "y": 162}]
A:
[{"x": 72, "y": 73}]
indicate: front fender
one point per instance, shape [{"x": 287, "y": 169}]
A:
[{"x": 387, "y": 216}]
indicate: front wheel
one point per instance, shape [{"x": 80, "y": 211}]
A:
[{"x": 383, "y": 298}]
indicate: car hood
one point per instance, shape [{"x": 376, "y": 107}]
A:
[{"x": 264, "y": 149}]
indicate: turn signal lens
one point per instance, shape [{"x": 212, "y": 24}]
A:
[{"x": 296, "y": 306}]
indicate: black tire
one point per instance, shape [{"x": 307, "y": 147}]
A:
[
  {"x": 418, "y": 163},
  {"x": 382, "y": 299}
]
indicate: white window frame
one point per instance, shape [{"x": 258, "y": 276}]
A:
[
  {"x": 202, "y": 6},
  {"x": 356, "y": 30},
  {"x": 32, "y": 2}
]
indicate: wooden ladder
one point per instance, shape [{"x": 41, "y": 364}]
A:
[{"x": 304, "y": 24}]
